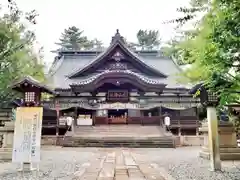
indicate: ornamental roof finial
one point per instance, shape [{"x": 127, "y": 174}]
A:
[{"x": 117, "y": 37}]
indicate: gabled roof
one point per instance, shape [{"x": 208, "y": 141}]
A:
[
  {"x": 145, "y": 79},
  {"x": 32, "y": 81},
  {"x": 117, "y": 40}
]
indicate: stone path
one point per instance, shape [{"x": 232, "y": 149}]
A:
[
  {"x": 122, "y": 164},
  {"x": 117, "y": 165}
]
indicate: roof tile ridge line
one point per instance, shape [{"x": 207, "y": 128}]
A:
[
  {"x": 56, "y": 67},
  {"x": 53, "y": 64},
  {"x": 118, "y": 42},
  {"x": 139, "y": 58},
  {"x": 32, "y": 80},
  {"x": 93, "y": 60},
  {"x": 94, "y": 77}
]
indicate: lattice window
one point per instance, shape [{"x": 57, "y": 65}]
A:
[
  {"x": 29, "y": 96},
  {"x": 118, "y": 66}
]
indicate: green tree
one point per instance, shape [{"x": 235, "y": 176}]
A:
[
  {"x": 94, "y": 44},
  {"x": 216, "y": 50},
  {"x": 180, "y": 47},
  {"x": 213, "y": 51},
  {"x": 17, "y": 57},
  {"x": 148, "y": 39},
  {"x": 195, "y": 9},
  {"x": 72, "y": 39},
  {"x": 98, "y": 45}
]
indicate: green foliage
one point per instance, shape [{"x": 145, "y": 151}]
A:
[
  {"x": 73, "y": 39},
  {"x": 190, "y": 13},
  {"x": 148, "y": 39},
  {"x": 180, "y": 47},
  {"x": 17, "y": 57},
  {"x": 213, "y": 50}
]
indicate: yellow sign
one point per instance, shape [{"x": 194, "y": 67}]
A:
[{"x": 27, "y": 134}]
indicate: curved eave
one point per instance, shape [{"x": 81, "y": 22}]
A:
[
  {"x": 119, "y": 73},
  {"x": 108, "y": 50},
  {"x": 33, "y": 82}
]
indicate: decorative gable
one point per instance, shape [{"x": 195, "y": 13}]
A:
[
  {"x": 122, "y": 58},
  {"x": 117, "y": 56}
]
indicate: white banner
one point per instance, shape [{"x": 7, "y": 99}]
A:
[
  {"x": 27, "y": 135},
  {"x": 118, "y": 105}
]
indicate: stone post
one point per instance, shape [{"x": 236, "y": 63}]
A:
[
  {"x": 214, "y": 151},
  {"x": 8, "y": 133},
  {"x": 227, "y": 141}
]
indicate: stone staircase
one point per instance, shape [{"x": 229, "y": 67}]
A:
[{"x": 119, "y": 136}]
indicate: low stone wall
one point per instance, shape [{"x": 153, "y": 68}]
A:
[
  {"x": 189, "y": 140},
  {"x": 51, "y": 140}
]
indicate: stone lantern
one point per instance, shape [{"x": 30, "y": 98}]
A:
[
  {"x": 32, "y": 90},
  {"x": 210, "y": 101},
  {"x": 219, "y": 136}
]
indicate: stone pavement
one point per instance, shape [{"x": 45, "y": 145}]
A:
[{"x": 121, "y": 164}]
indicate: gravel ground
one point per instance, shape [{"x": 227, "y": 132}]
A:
[
  {"x": 184, "y": 164},
  {"x": 180, "y": 163},
  {"x": 56, "y": 164}
]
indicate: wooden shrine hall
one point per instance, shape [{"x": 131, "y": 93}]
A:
[{"x": 118, "y": 86}]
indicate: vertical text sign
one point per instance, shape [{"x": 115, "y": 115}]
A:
[{"x": 27, "y": 134}]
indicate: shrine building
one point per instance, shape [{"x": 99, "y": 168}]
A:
[{"x": 119, "y": 86}]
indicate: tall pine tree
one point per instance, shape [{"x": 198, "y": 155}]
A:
[{"x": 72, "y": 39}]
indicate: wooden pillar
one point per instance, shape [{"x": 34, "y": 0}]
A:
[
  {"x": 141, "y": 117},
  {"x": 179, "y": 131},
  {"x": 160, "y": 116},
  {"x": 75, "y": 116},
  {"x": 57, "y": 107}
]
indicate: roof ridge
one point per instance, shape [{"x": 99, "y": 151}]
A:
[
  {"x": 93, "y": 60},
  {"x": 111, "y": 47},
  {"x": 142, "y": 77},
  {"x": 56, "y": 66}
]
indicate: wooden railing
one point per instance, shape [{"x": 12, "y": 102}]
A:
[
  {"x": 176, "y": 122},
  {"x": 184, "y": 122},
  {"x": 154, "y": 120},
  {"x": 119, "y": 120}
]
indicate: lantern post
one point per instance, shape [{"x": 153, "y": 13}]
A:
[
  {"x": 210, "y": 101},
  {"x": 213, "y": 132}
]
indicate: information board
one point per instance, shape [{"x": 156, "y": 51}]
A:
[{"x": 27, "y": 135}]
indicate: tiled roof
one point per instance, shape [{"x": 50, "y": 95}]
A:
[
  {"x": 31, "y": 80},
  {"x": 67, "y": 64},
  {"x": 140, "y": 76},
  {"x": 107, "y": 51},
  {"x": 71, "y": 63}
]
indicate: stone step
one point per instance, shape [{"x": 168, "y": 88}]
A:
[
  {"x": 166, "y": 142},
  {"x": 119, "y": 136}
]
